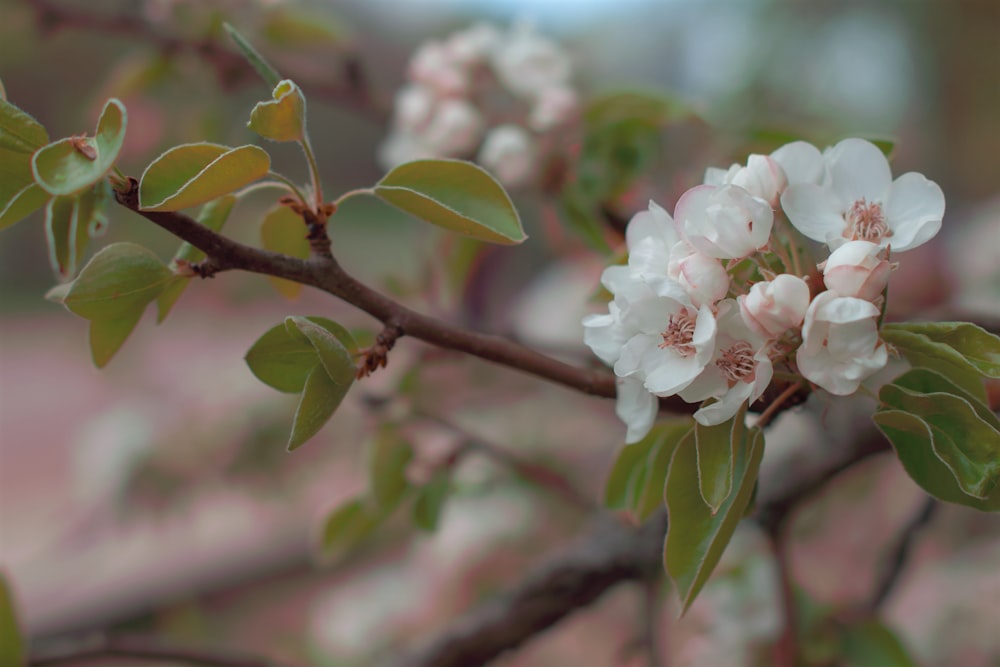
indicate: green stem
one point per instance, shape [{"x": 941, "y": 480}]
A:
[
  {"x": 313, "y": 173},
  {"x": 353, "y": 193},
  {"x": 291, "y": 186},
  {"x": 263, "y": 185}
]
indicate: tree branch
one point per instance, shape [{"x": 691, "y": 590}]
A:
[
  {"x": 144, "y": 648},
  {"x": 326, "y": 274},
  {"x": 893, "y": 566}
]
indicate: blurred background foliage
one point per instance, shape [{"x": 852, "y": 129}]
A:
[{"x": 158, "y": 491}]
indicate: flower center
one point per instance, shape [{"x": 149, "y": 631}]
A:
[
  {"x": 737, "y": 362},
  {"x": 679, "y": 333},
  {"x": 866, "y": 222}
]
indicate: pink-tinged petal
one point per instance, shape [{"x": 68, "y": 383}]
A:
[
  {"x": 692, "y": 204},
  {"x": 633, "y": 353},
  {"x": 815, "y": 211},
  {"x": 654, "y": 222},
  {"x": 913, "y": 211},
  {"x": 845, "y": 309},
  {"x": 636, "y": 407},
  {"x": 649, "y": 257},
  {"x": 858, "y": 169},
  {"x": 802, "y": 162}
]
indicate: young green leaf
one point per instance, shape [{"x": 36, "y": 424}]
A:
[
  {"x": 430, "y": 500},
  {"x": 716, "y": 447},
  {"x": 107, "y": 336},
  {"x": 389, "y": 457},
  {"x": 20, "y": 132},
  {"x": 331, "y": 348},
  {"x": 869, "y": 643},
  {"x": 264, "y": 68},
  {"x": 13, "y": 651},
  {"x": 650, "y": 498},
  {"x": 22, "y": 203},
  {"x": 978, "y": 347},
  {"x": 212, "y": 215},
  {"x": 456, "y": 195},
  {"x": 193, "y": 174},
  {"x": 697, "y": 537},
  {"x": 282, "y": 360},
  {"x": 283, "y": 230},
  {"x": 345, "y": 528},
  {"x": 628, "y": 465},
  {"x": 118, "y": 280},
  {"x": 71, "y": 165},
  {"x": 319, "y": 400},
  {"x": 282, "y": 118}
]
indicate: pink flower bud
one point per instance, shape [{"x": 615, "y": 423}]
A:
[
  {"x": 858, "y": 269},
  {"x": 725, "y": 222},
  {"x": 773, "y": 307}
]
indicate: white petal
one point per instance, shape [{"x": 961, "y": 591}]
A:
[
  {"x": 859, "y": 169},
  {"x": 636, "y": 407},
  {"x": 603, "y": 334},
  {"x": 815, "y": 211},
  {"x": 802, "y": 162},
  {"x": 914, "y": 211},
  {"x": 727, "y": 406},
  {"x": 672, "y": 374}
]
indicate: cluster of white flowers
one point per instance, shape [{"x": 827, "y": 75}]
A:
[
  {"x": 483, "y": 93},
  {"x": 711, "y": 300}
]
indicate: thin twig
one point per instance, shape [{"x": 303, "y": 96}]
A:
[
  {"x": 144, "y": 648},
  {"x": 894, "y": 564},
  {"x": 786, "y": 650}
]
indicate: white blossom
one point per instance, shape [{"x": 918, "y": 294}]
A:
[
  {"x": 840, "y": 343},
  {"x": 858, "y": 269},
  {"x": 762, "y": 177},
  {"x": 528, "y": 63},
  {"x": 738, "y": 372},
  {"x": 772, "y": 307},
  {"x": 636, "y": 407},
  {"x": 474, "y": 45},
  {"x": 434, "y": 65},
  {"x": 801, "y": 161},
  {"x": 858, "y": 200},
  {"x": 554, "y": 106},
  {"x": 510, "y": 152},
  {"x": 455, "y": 128},
  {"x": 725, "y": 222}
]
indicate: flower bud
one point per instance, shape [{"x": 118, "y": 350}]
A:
[
  {"x": 414, "y": 104},
  {"x": 554, "y": 107},
  {"x": 773, "y": 307},
  {"x": 704, "y": 278},
  {"x": 763, "y": 177},
  {"x": 434, "y": 65},
  {"x": 858, "y": 269},
  {"x": 509, "y": 152},
  {"x": 725, "y": 222}
]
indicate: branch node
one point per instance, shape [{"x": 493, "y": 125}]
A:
[{"x": 377, "y": 356}]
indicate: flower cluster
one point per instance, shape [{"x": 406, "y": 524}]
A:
[
  {"x": 500, "y": 93},
  {"x": 717, "y": 296}
]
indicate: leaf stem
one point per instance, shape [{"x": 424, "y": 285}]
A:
[
  {"x": 263, "y": 185},
  {"x": 291, "y": 186},
  {"x": 353, "y": 193},
  {"x": 313, "y": 174}
]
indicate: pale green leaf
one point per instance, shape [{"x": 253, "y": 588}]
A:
[
  {"x": 628, "y": 465},
  {"x": 212, "y": 215},
  {"x": 657, "y": 465},
  {"x": 922, "y": 352},
  {"x": 319, "y": 400},
  {"x": 118, "y": 280},
  {"x": 456, "y": 195},
  {"x": 430, "y": 500},
  {"x": 282, "y": 361},
  {"x": 71, "y": 165},
  {"x": 108, "y": 335},
  {"x": 13, "y": 648},
  {"x": 193, "y": 174},
  {"x": 389, "y": 457},
  {"x": 284, "y": 231},
  {"x": 716, "y": 447},
  {"x": 19, "y": 131},
  {"x": 330, "y": 347},
  {"x": 282, "y": 118},
  {"x": 345, "y": 528},
  {"x": 978, "y": 347},
  {"x": 697, "y": 537}
]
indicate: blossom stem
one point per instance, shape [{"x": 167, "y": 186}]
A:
[{"x": 772, "y": 410}]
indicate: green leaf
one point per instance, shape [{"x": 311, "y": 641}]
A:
[
  {"x": 628, "y": 465},
  {"x": 345, "y": 528},
  {"x": 68, "y": 166},
  {"x": 978, "y": 347},
  {"x": 69, "y": 222},
  {"x": 923, "y": 352},
  {"x": 390, "y": 455},
  {"x": 20, "y": 132},
  {"x": 716, "y": 448},
  {"x": 696, "y": 538},
  {"x": 23, "y": 203},
  {"x": 430, "y": 500},
  {"x": 118, "y": 280},
  {"x": 3, "y": 92},
  {"x": 283, "y": 231},
  {"x": 193, "y": 174},
  {"x": 657, "y": 465},
  {"x": 282, "y": 360},
  {"x": 456, "y": 195},
  {"x": 212, "y": 215},
  {"x": 282, "y": 118},
  {"x": 13, "y": 651},
  {"x": 108, "y": 335},
  {"x": 870, "y": 643},
  {"x": 961, "y": 432},
  {"x": 331, "y": 347},
  {"x": 319, "y": 400},
  {"x": 264, "y": 68}
]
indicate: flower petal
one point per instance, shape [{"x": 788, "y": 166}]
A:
[
  {"x": 815, "y": 211},
  {"x": 636, "y": 407},
  {"x": 913, "y": 211},
  {"x": 859, "y": 169},
  {"x": 802, "y": 162}
]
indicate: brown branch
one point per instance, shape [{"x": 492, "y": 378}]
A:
[
  {"x": 326, "y": 274},
  {"x": 231, "y": 69},
  {"x": 144, "y": 648},
  {"x": 892, "y": 569}
]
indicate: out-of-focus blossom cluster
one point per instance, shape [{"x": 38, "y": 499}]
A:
[
  {"x": 719, "y": 295},
  {"x": 497, "y": 96}
]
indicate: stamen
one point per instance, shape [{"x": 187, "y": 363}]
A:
[
  {"x": 737, "y": 363},
  {"x": 679, "y": 333},
  {"x": 866, "y": 222}
]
